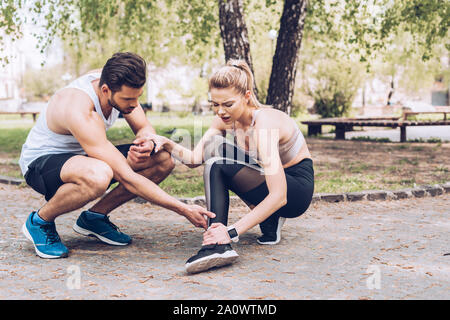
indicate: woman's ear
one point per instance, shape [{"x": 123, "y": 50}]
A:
[{"x": 247, "y": 96}]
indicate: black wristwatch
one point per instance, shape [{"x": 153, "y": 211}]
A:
[
  {"x": 234, "y": 236},
  {"x": 154, "y": 147}
]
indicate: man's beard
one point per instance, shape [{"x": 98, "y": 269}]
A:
[{"x": 113, "y": 104}]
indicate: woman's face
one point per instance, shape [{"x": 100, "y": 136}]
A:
[{"x": 228, "y": 104}]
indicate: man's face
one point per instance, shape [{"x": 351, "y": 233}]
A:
[{"x": 126, "y": 99}]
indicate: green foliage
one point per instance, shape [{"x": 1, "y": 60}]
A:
[
  {"x": 367, "y": 26},
  {"x": 370, "y": 26},
  {"x": 157, "y": 30},
  {"x": 42, "y": 84},
  {"x": 333, "y": 84}
]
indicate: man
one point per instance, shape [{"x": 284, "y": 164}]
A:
[{"x": 69, "y": 160}]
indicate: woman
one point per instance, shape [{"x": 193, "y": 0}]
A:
[{"x": 268, "y": 165}]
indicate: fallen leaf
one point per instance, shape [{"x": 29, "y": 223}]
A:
[{"x": 146, "y": 279}]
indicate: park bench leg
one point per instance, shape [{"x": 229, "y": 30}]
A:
[
  {"x": 403, "y": 134},
  {"x": 340, "y": 133},
  {"x": 314, "y": 130}
]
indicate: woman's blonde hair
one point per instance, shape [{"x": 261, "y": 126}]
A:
[{"x": 235, "y": 74}]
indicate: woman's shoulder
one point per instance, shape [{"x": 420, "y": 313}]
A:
[{"x": 271, "y": 116}]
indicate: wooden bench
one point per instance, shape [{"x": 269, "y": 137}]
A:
[
  {"x": 346, "y": 124},
  {"x": 22, "y": 113},
  {"x": 439, "y": 110}
]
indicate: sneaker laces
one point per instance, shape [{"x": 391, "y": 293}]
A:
[
  {"x": 51, "y": 233},
  {"x": 106, "y": 218}
]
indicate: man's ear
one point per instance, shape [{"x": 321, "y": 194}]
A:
[{"x": 105, "y": 89}]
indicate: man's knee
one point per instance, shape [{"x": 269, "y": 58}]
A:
[
  {"x": 164, "y": 162},
  {"x": 96, "y": 179}
]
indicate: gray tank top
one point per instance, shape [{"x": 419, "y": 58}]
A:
[
  {"x": 287, "y": 150},
  {"x": 42, "y": 141}
]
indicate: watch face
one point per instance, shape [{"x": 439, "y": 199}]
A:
[{"x": 233, "y": 233}]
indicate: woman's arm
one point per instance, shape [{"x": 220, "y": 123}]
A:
[{"x": 191, "y": 158}]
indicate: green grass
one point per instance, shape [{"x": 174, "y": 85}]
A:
[
  {"x": 185, "y": 184},
  {"x": 366, "y": 138},
  {"x": 414, "y": 161},
  {"x": 335, "y": 182},
  {"x": 12, "y": 139}
]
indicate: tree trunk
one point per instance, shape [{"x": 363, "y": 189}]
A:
[
  {"x": 284, "y": 66},
  {"x": 234, "y": 32},
  {"x": 391, "y": 92}
]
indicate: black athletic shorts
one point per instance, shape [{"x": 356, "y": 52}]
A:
[{"x": 44, "y": 173}]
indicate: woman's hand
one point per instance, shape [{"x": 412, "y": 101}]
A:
[
  {"x": 216, "y": 233},
  {"x": 161, "y": 142}
]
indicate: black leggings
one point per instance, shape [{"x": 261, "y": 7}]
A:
[{"x": 230, "y": 168}]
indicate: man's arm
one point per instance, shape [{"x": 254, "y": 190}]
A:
[
  {"x": 87, "y": 127},
  {"x": 139, "y": 123},
  {"x": 143, "y": 131}
]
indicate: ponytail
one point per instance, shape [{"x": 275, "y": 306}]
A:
[{"x": 236, "y": 74}]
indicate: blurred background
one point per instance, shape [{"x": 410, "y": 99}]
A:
[
  {"x": 355, "y": 57},
  {"x": 311, "y": 59}
]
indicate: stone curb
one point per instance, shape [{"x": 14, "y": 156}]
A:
[
  {"x": 10, "y": 180},
  {"x": 371, "y": 195}
]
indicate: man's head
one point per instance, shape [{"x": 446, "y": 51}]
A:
[{"x": 122, "y": 80}]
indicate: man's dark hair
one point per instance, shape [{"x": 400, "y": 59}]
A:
[{"x": 124, "y": 68}]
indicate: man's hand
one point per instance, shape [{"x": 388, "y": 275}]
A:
[
  {"x": 141, "y": 150},
  {"x": 196, "y": 215}
]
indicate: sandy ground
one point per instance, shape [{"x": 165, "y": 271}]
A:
[{"x": 354, "y": 250}]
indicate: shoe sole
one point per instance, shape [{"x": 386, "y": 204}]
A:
[
  {"x": 90, "y": 233},
  {"x": 215, "y": 260},
  {"x": 39, "y": 253},
  {"x": 280, "y": 225}
]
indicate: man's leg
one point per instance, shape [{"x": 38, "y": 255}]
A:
[
  {"x": 80, "y": 180},
  {"x": 95, "y": 221},
  {"x": 157, "y": 168},
  {"x": 85, "y": 179}
]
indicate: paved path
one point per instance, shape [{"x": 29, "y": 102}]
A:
[{"x": 355, "y": 250}]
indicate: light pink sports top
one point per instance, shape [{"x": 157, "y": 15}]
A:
[{"x": 287, "y": 150}]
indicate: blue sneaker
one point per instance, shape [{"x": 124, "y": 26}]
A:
[
  {"x": 98, "y": 225},
  {"x": 46, "y": 241}
]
